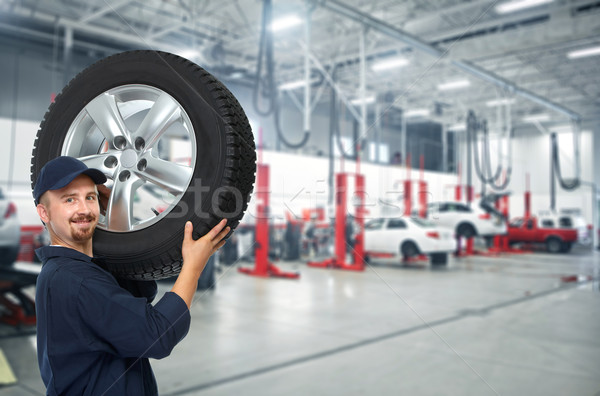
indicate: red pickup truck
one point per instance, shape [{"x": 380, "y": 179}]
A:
[{"x": 556, "y": 233}]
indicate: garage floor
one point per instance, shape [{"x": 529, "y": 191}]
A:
[{"x": 482, "y": 326}]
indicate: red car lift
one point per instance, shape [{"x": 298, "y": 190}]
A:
[
  {"x": 422, "y": 197},
  {"x": 358, "y": 253},
  {"x": 470, "y": 241},
  {"x": 262, "y": 266}
]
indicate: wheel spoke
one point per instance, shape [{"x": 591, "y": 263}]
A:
[
  {"x": 105, "y": 113},
  {"x": 168, "y": 175},
  {"x": 98, "y": 161},
  {"x": 119, "y": 213},
  {"x": 163, "y": 114}
]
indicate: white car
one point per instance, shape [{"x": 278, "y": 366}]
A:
[
  {"x": 10, "y": 231},
  {"x": 466, "y": 222},
  {"x": 407, "y": 237}
]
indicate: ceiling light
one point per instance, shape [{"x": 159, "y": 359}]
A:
[
  {"x": 292, "y": 85},
  {"x": 541, "y": 117},
  {"x": 285, "y": 22},
  {"x": 454, "y": 85},
  {"x": 592, "y": 51},
  {"x": 499, "y": 102},
  {"x": 389, "y": 64},
  {"x": 416, "y": 113},
  {"x": 457, "y": 127},
  {"x": 359, "y": 101},
  {"x": 517, "y": 5}
]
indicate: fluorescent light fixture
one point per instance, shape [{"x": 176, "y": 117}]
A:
[
  {"x": 560, "y": 128},
  {"x": 541, "y": 117},
  {"x": 457, "y": 127},
  {"x": 499, "y": 102},
  {"x": 285, "y": 22},
  {"x": 416, "y": 113},
  {"x": 518, "y": 5},
  {"x": 592, "y": 51},
  {"x": 292, "y": 85},
  {"x": 389, "y": 64},
  {"x": 454, "y": 85},
  {"x": 367, "y": 100}
]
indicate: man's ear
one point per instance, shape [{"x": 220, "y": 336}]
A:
[{"x": 43, "y": 213}]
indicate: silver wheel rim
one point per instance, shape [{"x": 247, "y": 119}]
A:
[{"x": 142, "y": 139}]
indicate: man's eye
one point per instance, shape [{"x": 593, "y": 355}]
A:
[
  {"x": 91, "y": 198},
  {"x": 69, "y": 200}
]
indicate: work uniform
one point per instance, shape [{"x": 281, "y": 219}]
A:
[{"x": 94, "y": 333}]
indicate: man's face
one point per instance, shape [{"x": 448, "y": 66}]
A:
[{"x": 71, "y": 213}]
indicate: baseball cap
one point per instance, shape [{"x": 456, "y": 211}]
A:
[{"x": 61, "y": 171}]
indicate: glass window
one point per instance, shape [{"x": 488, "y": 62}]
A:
[
  {"x": 374, "y": 224},
  {"x": 462, "y": 208},
  {"x": 547, "y": 223},
  {"x": 565, "y": 222},
  {"x": 516, "y": 223},
  {"x": 396, "y": 223},
  {"x": 422, "y": 222}
]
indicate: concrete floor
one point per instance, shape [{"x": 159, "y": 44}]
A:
[{"x": 482, "y": 326}]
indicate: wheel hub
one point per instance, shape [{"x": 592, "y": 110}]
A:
[{"x": 129, "y": 158}]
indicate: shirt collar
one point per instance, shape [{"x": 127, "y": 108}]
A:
[{"x": 47, "y": 252}]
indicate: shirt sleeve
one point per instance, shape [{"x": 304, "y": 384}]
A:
[{"x": 115, "y": 321}]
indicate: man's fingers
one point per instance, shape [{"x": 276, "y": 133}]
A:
[
  {"x": 220, "y": 245},
  {"x": 212, "y": 234},
  {"x": 187, "y": 235},
  {"x": 222, "y": 234}
]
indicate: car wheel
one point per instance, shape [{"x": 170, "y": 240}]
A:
[
  {"x": 439, "y": 259},
  {"x": 409, "y": 249},
  {"x": 566, "y": 247},
  {"x": 553, "y": 245},
  {"x": 466, "y": 230},
  {"x": 172, "y": 140},
  {"x": 8, "y": 255}
]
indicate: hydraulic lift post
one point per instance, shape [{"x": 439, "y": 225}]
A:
[
  {"x": 358, "y": 255},
  {"x": 262, "y": 266}
]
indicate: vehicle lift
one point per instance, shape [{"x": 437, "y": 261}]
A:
[
  {"x": 16, "y": 308},
  {"x": 358, "y": 253},
  {"x": 422, "y": 199},
  {"x": 262, "y": 266}
]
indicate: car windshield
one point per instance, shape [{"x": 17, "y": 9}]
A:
[{"x": 422, "y": 222}]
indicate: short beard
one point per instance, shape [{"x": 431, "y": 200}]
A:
[{"x": 80, "y": 235}]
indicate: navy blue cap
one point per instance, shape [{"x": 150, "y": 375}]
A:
[{"x": 61, "y": 171}]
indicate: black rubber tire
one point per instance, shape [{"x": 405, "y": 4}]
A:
[
  {"x": 439, "y": 259},
  {"x": 8, "y": 255},
  {"x": 465, "y": 230},
  {"x": 409, "y": 249},
  {"x": 553, "y": 245},
  {"x": 566, "y": 247},
  {"x": 225, "y": 160}
]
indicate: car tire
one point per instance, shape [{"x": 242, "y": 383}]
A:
[
  {"x": 409, "y": 249},
  {"x": 566, "y": 247},
  {"x": 438, "y": 259},
  {"x": 466, "y": 230},
  {"x": 553, "y": 245},
  {"x": 153, "y": 97},
  {"x": 8, "y": 255}
]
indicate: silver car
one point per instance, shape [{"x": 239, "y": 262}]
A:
[{"x": 10, "y": 231}]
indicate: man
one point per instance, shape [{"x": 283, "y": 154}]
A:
[{"x": 96, "y": 333}]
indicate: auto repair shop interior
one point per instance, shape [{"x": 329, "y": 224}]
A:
[{"x": 416, "y": 208}]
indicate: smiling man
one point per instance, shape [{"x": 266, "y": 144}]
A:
[{"x": 95, "y": 332}]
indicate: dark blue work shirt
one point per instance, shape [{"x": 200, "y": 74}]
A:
[{"x": 94, "y": 333}]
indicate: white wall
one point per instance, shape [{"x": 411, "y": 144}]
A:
[{"x": 531, "y": 156}]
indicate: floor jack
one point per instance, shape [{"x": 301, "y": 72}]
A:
[
  {"x": 16, "y": 308},
  {"x": 262, "y": 266},
  {"x": 358, "y": 252}
]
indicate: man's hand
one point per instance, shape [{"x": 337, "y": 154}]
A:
[
  {"x": 195, "y": 255},
  {"x": 103, "y": 197}
]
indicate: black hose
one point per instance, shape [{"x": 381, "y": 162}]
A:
[
  {"x": 570, "y": 184},
  {"x": 270, "y": 89},
  {"x": 487, "y": 178}
]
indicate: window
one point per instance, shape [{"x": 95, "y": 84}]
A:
[
  {"x": 516, "y": 223},
  {"x": 462, "y": 208},
  {"x": 374, "y": 224},
  {"x": 547, "y": 223},
  {"x": 422, "y": 222},
  {"x": 396, "y": 224},
  {"x": 565, "y": 222}
]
